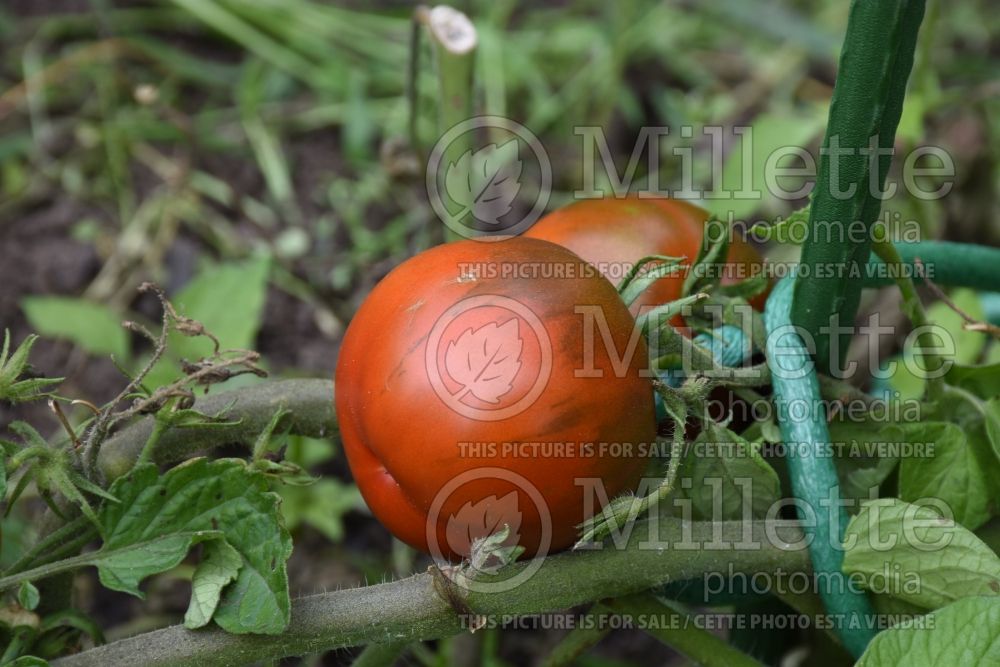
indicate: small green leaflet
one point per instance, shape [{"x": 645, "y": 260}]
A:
[
  {"x": 726, "y": 473},
  {"x": 963, "y": 633},
  {"x": 207, "y": 501},
  {"x": 220, "y": 565},
  {"x": 893, "y": 542},
  {"x": 12, "y": 367},
  {"x": 123, "y": 568},
  {"x": 27, "y": 596}
]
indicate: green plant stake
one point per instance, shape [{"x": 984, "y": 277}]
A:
[{"x": 867, "y": 101}]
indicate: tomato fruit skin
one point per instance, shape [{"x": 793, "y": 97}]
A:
[
  {"x": 612, "y": 233},
  {"x": 406, "y": 441}
]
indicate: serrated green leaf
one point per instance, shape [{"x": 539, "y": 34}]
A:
[
  {"x": 725, "y": 472},
  {"x": 220, "y": 565},
  {"x": 93, "y": 326},
  {"x": 27, "y": 595},
  {"x": 27, "y": 390},
  {"x": 205, "y": 496},
  {"x": 12, "y": 367},
  {"x": 963, "y": 633},
  {"x": 931, "y": 561}
]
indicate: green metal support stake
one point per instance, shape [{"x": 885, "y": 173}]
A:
[{"x": 875, "y": 63}]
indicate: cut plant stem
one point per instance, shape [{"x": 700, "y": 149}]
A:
[{"x": 454, "y": 39}]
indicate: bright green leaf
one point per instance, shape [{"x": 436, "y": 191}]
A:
[
  {"x": 993, "y": 424},
  {"x": 94, "y": 327},
  {"x": 950, "y": 472},
  {"x": 27, "y": 595},
  {"x": 122, "y": 568},
  {"x": 219, "y": 566},
  {"x": 963, "y": 633},
  {"x": 984, "y": 381},
  {"x": 925, "y": 559},
  {"x": 207, "y": 496}
]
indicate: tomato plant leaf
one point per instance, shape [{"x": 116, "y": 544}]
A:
[
  {"x": 93, "y": 326},
  {"x": 27, "y": 595},
  {"x": 727, "y": 472},
  {"x": 203, "y": 499},
  {"x": 486, "y": 360},
  {"x": 924, "y": 558},
  {"x": 993, "y": 424},
  {"x": 862, "y": 458},
  {"x": 950, "y": 472},
  {"x": 963, "y": 633},
  {"x": 122, "y": 568},
  {"x": 220, "y": 565},
  {"x": 320, "y": 505},
  {"x": 984, "y": 381},
  {"x": 12, "y": 367}
]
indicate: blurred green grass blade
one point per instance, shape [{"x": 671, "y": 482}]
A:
[
  {"x": 773, "y": 21},
  {"x": 255, "y": 41},
  {"x": 192, "y": 68},
  {"x": 264, "y": 142}
]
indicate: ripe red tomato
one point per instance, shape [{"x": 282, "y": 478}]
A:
[
  {"x": 461, "y": 402},
  {"x": 615, "y": 233}
]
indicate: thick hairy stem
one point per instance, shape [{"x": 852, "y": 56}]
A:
[
  {"x": 309, "y": 401},
  {"x": 411, "y": 609}
]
